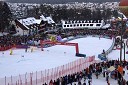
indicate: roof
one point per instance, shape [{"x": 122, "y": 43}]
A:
[
  {"x": 22, "y": 26},
  {"x": 43, "y": 18},
  {"x": 2, "y": 34},
  {"x": 30, "y": 21},
  {"x": 106, "y": 26},
  {"x": 50, "y": 20},
  {"x": 38, "y": 21}
]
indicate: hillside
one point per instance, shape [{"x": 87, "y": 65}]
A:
[{"x": 59, "y": 1}]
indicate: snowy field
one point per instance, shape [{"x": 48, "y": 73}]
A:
[
  {"x": 56, "y": 56},
  {"x": 49, "y": 58}
]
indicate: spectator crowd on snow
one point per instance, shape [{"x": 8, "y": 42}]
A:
[
  {"x": 9, "y": 40},
  {"x": 98, "y": 69},
  {"x": 75, "y": 32}
]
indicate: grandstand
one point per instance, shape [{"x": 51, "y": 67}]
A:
[{"x": 84, "y": 24}]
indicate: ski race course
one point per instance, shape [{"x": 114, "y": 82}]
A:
[{"x": 21, "y": 62}]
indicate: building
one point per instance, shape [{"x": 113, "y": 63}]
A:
[
  {"x": 31, "y": 25},
  {"x": 82, "y": 24}
]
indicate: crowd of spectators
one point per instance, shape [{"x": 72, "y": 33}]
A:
[
  {"x": 95, "y": 69},
  {"x": 75, "y": 32},
  {"x": 9, "y": 41}
]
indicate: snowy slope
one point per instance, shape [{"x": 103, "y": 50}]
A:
[{"x": 49, "y": 58}]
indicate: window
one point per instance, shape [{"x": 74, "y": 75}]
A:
[
  {"x": 67, "y": 25},
  {"x": 97, "y": 24},
  {"x": 64, "y": 25},
  {"x": 77, "y": 24},
  {"x": 70, "y": 25},
  {"x": 80, "y": 24},
  {"x": 84, "y": 24},
  {"x": 91, "y": 24},
  {"x": 87, "y": 24},
  {"x": 74, "y": 25}
]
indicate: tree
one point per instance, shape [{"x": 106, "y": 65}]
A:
[
  {"x": 115, "y": 13},
  {"x": 5, "y": 16},
  {"x": 99, "y": 16}
]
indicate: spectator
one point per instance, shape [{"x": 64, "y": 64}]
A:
[{"x": 107, "y": 76}]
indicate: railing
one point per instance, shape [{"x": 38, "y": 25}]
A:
[
  {"x": 38, "y": 78},
  {"x": 111, "y": 48},
  {"x": 103, "y": 56},
  {"x": 6, "y": 48},
  {"x": 12, "y": 46}
]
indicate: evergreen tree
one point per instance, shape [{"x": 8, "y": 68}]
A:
[
  {"x": 5, "y": 16},
  {"x": 115, "y": 13}
]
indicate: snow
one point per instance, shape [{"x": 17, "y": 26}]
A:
[
  {"x": 21, "y": 62},
  {"x": 1, "y": 34},
  {"x": 43, "y": 18},
  {"x": 50, "y": 20},
  {"x": 49, "y": 58}
]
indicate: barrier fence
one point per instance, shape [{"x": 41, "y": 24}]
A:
[
  {"x": 40, "y": 77},
  {"x": 6, "y": 48}
]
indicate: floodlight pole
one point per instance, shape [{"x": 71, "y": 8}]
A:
[
  {"x": 121, "y": 33},
  {"x": 124, "y": 51}
]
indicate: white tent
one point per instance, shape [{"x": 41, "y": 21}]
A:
[{"x": 112, "y": 68}]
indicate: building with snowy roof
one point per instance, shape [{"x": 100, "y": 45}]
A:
[{"x": 31, "y": 25}]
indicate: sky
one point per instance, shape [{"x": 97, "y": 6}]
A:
[{"x": 51, "y": 57}]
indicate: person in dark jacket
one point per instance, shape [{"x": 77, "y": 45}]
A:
[
  {"x": 127, "y": 83},
  {"x": 79, "y": 83},
  {"x": 107, "y": 76},
  {"x": 119, "y": 75},
  {"x": 96, "y": 75},
  {"x": 84, "y": 82}
]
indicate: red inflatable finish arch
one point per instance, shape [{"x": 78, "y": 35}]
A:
[{"x": 60, "y": 43}]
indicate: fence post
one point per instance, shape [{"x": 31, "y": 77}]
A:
[
  {"x": 5, "y": 80},
  {"x": 36, "y": 77},
  {"x": 51, "y": 74},
  {"x": 25, "y": 79},
  {"x": 45, "y": 76},
  {"x": 11, "y": 80},
  {"x": 21, "y": 82},
  {"x": 41, "y": 77},
  {"x": 20, "y": 79},
  {"x": 31, "y": 80},
  {"x": 16, "y": 82}
]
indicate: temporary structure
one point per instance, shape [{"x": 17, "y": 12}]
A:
[{"x": 112, "y": 68}]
